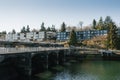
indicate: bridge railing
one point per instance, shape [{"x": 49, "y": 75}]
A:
[{"x": 29, "y": 49}]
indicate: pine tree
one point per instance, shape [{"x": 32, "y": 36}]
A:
[
  {"x": 28, "y": 29},
  {"x": 13, "y": 31},
  {"x": 73, "y": 38},
  {"x": 94, "y": 24},
  {"x": 23, "y": 30},
  {"x": 112, "y": 36},
  {"x": 63, "y": 27},
  {"x": 107, "y": 21},
  {"x": 42, "y": 27},
  {"x": 48, "y": 29},
  {"x": 53, "y": 28},
  {"x": 100, "y": 25}
]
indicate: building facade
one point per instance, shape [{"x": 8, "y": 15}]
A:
[
  {"x": 81, "y": 35},
  {"x": 26, "y": 37}
]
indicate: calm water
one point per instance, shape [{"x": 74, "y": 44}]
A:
[
  {"x": 86, "y": 70},
  {"x": 90, "y": 70}
]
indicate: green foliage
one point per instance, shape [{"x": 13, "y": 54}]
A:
[
  {"x": 118, "y": 43},
  {"x": 106, "y": 22},
  {"x": 13, "y": 31},
  {"x": 23, "y": 30},
  {"x": 42, "y": 27},
  {"x": 53, "y": 28},
  {"x": 100, "y": 25},
  {"x": 112, "y": 36},
  {"x": 73, "y": 38},
  {"x": 28, "y": 29},
  {"x": 3, "y": 32},
  {"x": 48, "y": 29},
  {"x": 94, "y": 24},
  {"x": 63, "y": 27}
]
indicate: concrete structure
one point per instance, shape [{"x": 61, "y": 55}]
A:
[{"x": 28, "y": 61}]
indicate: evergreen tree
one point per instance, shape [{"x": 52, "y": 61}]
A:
[
  {"x": 53, "y": 28},
  {"x": 42, "y": 27},
  {"x": 94, "y": 24},
  {"x": 100, "y": 25},
  {"x": 107, "y": 21},
  {"x": 73, "y": 38},
  {"x": 4, "y": 32},
  {"x": 28, "y": 29},
  {"x": 48, "y": 29},
  {"x": 13, "y": 31},
  {"x": 63, "y": 27},
  {"x": 118, "y": 43},
  {"x": 112, "y": 36},
  {"x": 23, "y": 30}
]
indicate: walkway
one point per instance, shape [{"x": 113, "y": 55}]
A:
[{"x": 30, "y": 49}]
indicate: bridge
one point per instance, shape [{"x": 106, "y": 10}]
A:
[{"x": 32, "y": 60}]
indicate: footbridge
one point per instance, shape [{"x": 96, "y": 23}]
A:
[
  {"x": 32, "y": 60},
  {"x": 28, "y": 61}
]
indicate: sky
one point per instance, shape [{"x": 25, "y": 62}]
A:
[{"x": 14, "y": 14}]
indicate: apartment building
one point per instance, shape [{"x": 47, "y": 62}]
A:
[
  {"x": 26, "y": 37},
  {"x": 81, "y": 35}
]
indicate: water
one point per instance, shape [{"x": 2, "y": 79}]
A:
[
  {"x": 85, "y": 70},
  {"x": 90, "y": 70}
]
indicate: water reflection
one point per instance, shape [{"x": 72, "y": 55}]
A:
[
  {"x": 95, "y": 70},
  {"x": 66, "y": 75},
  {"x": 86, "y": 70}
]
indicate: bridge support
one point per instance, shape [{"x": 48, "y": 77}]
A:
[{"x": 47, "y": 62}]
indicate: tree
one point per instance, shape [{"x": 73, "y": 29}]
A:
[
  {"x": 94, "y": 24},
  {"x": 13, "y": 31},
  {"x": 118, "y": 43},
  {"x": 4, "y": 32},
  {"x": 73, "y": 38},
  {"x": 48, "y": 29},
  {"x": 100, "y": 25},
  {"x": 23, "y": 30},
  {"x": 107, "y": 21},
  {"x": 28, "y": 29},
  {"x": 112, "y": 36},
  {"x": 63, "y": 27},
  {"x": 42, "y": 27},
  {"x": 53, "y": 28}
]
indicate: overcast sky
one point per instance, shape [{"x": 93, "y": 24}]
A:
[{"x": 14, "y": 14}]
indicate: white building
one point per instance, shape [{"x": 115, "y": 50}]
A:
[
  {"x": 9, "y": 37},
  {"x": 35, "y": 35},
  {"x": 30, "y": 36},
  {"x": 41, "y": 36}
]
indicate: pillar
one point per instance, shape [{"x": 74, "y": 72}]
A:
[
  {"x": 57, "y": 58},
  {"x": 47, "y": 62}
]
